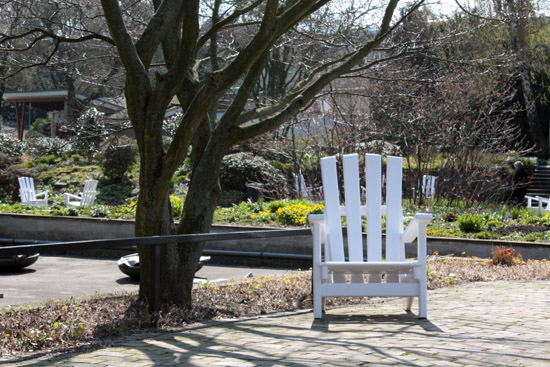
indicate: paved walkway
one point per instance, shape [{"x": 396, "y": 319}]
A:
[
  {"x": 482, "y": 324},
  {"x": 63, "y": 277}
]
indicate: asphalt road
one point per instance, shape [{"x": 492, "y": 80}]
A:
[{"x": 57, "y": 277}]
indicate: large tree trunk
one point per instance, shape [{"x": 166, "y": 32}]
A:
[
  {"x": 153, "y": 212},
  {"x": 178, "y": 262},
  {"x": 198, "y": 213}
]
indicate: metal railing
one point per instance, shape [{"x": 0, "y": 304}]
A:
[{"x": 154, "y": 243}]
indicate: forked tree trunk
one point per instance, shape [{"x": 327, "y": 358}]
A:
[{"x": 178, "y": 262}]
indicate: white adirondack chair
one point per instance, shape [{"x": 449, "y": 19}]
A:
[
  {"x": 28, "y": 195},
  {"x": 86, "y": 197},
  {"x": 333, "y": 276},
  {"x": 428, "y": 186}
]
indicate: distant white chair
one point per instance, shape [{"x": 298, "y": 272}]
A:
[
  {"x": 28, "y": 195},
  {"x": 300, "y": 186},
  {"x": 86, "y": 197},
  {"x": 379, "y": 276},
  {"x": 428, "y": 186},
  {"x": 543, "y": 204}
]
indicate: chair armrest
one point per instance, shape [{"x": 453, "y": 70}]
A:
[
  {"x": 316, "y": 219},
  {"x": 418, "y": 223},
  {"x": 317, "y": 222},
  {"x": 71, "y": 196},
  {"x": 45, "y": 193},
  {"x": 417, "y": 230}
]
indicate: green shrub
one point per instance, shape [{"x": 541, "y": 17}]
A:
[
  {"x": 494, "y": 223},
  {"x": 99, "y": 211},
  {"x": 470, "y": 223},
  {"x": 275, "y": 205},
  {"x": 241, "y": 168},
  {"x": 113, "y": 193},
  {"x": 40, "y": 127},
  {"x": 49, "y": 159},
  {"x": 117, "y": 160},
  {"x": 91, "y": 132},
  {"x": 250, "y": 206},
  {"x": 177, "y": 206},
  {"x": 9, "y": 173},
  {"x": 514, "y": 212},
  {"x": 61, "y": 211},
  {"x": 486, "y": 235}
]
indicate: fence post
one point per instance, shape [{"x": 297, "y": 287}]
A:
[{"x": 154, "y": 278}]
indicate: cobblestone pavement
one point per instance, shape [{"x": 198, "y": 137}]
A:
[{"x": 480, "y": 324}]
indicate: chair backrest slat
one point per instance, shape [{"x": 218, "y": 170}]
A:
[
  {"x": 26, "y": 189},
  {"x": 332, "y": 210},
  {"x": 352, "y": 192},
  {"x": 394, "y": 215},
  {"x": 355, "y": 211},
  {"x": 89, "y": 192},
  {"x": 373, "y": 166}
]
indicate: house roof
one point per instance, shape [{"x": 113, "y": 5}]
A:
[
  {"x": 48, "y": 100},
  {"x": 53, "y": 100}
]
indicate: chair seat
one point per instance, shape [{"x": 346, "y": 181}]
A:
[
  {"x": 409, "y": 289},
  {"x": 43, "y": 202},
  {"x": 369, "y": 266}
]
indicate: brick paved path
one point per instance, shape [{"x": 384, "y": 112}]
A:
[{"x": 483, "y": 324}]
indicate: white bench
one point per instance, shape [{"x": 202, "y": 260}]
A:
[
  {"x": 388, "y": 276},
  {"x": 543, "y": 204}
]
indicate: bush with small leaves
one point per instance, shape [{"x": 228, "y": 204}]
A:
[
  {"x": 177, "y": 206},
  {"x": 41, "y": 146},
  {"x": 118, "y": 159},
  {"x": 91, "y": 131},
  {"x": 470, "y": 223},
  {"x": 241, "y": 168},
  {"x": 11, "y": 146},
  {"x": 9, "y": 173},
  {"x": 40, "y": 127},
  {"x": 99, "y": 211}
]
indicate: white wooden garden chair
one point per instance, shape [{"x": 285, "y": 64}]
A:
[
  {"x": 86, "y": 197},
  {"x": 543, "y": 204},
  {"x": 28, "y": 195},
  {"x": 428, "y": 186},
  {"x": 386, "y": 275}
]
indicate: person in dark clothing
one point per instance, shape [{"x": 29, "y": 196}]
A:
[{"x": 520, "y": 183}]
